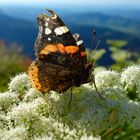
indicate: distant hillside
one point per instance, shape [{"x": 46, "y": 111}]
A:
[
  {"x": 18, "y": 30},
  {"x": 116, "y": 23},
  {"x": 24, "y": 32}
]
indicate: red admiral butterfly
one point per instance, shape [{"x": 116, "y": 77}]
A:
[{"x": 61, "y": 60}]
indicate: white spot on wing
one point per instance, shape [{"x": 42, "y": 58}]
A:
[
  {"x": 79, "y": 42},
  {"x": 47, "y": 31},
  {"x": 46, "y": 24},
  {"x": 61, "y": 30},
  {"x": 49, "y": 38}
]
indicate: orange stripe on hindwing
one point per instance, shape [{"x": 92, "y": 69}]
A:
[{"x": 33, "y": 76}]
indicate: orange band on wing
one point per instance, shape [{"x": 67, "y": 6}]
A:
[
  {"x": 61, "y": 48},
  {"x": 71, "y": 49},
  {"x": 83, "y": 54},
  {"x": 49, "y": 48}
]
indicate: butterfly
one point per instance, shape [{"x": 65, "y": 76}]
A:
[{"x": 61, "y": 60}]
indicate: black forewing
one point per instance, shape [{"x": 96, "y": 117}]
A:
[{"x": 51, "y": 23}]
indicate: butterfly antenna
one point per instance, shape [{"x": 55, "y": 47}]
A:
[
  {"x": 98, "y": 44},
  {"x": 93, "y": 38},
  {"x": 92, "y": 42}
]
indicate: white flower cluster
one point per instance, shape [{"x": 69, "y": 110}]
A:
[
  {"x": 17, "y": 133},
  {"x": 19, "y": 84},
  {"x": 107, "y": 79},
  {"x": 7, "y": 99},
  {"x": 130, "y": 78},
  {"x": 27, "y": 114}
]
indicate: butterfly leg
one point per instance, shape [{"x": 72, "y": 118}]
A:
[
  {"x": 93, "y": 80},
  {"x": 71, "y": 93},
  {"x": 97, "y": 88}
]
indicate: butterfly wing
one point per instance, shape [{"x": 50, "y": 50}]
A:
[
  {"x": 61, "y": 57},
  {"x": 52, "y": 31},
  {"x": 54, "y": 38},
  {"x": 46, "y": 76}
]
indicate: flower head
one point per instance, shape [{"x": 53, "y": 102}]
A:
[
  {"x": 18, "y": 133},
  {"x": 130, "y": 79},
  {"x": 19, "y": 84},
  {"x": 7, "y": 99},
  {"x": 107, "y": 79}
]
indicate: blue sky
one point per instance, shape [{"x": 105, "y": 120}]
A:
[{"x": 80, "y": 2}]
